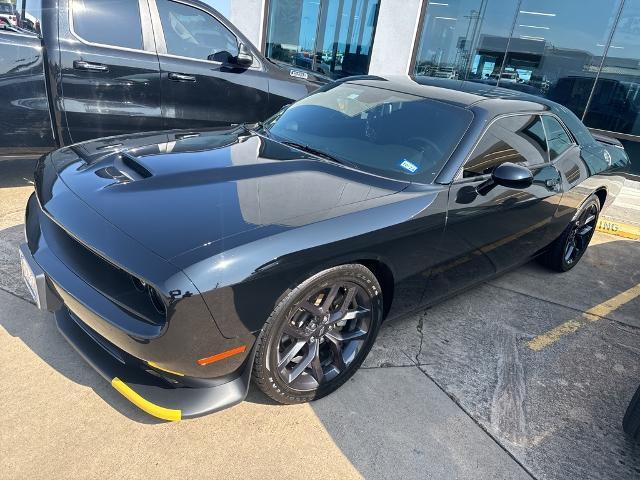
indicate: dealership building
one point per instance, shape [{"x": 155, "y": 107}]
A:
[{"x": 584, "y": 54}]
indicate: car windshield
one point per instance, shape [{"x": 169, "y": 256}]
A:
[
  {"x": 6, "y": 8},
  {"x": 389, "y": 133}
]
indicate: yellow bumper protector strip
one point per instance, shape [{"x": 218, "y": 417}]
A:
[{"x": 151, "y": 408}]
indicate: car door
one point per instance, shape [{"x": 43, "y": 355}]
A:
[
  {"x": 491, "y": 227},
  {"x": 200, "y": 86},
  {"x": 110, "y": 76}
]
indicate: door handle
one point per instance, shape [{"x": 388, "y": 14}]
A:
[
  {"x": 181, "y": 77},
  {"x": 92, "y": 67}
]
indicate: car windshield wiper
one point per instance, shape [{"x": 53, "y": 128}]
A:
[{"x": 317, "y": 153}]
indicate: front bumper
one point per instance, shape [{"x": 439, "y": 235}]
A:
[
  {"x": 145, "y": 388},
  {"x": 161, "y": 394}
]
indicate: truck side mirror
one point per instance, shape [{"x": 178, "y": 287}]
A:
[{"x": 245, "y": 57}]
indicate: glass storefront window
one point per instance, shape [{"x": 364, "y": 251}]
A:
[
  {"x": 543, "y": 47},
  {"x": 332, "y": 37},
  {"x": 464, "y": 39},
  {"x": 615, "y": 105},
  {"x": 556, "y": 48},
  {"x": 292, "y": 31}
]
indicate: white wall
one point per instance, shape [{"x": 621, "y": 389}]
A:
[
  {"x": 223, "y": 6},
  {"x": 247, "y": 16},
  {"x": 395, "y": 36}
]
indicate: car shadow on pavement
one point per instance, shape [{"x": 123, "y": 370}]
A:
[
  {"x": 17, "y": 172},
  {"x": 557, "y": 410}
]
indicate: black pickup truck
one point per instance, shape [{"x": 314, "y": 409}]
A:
[{"x": 96, "y": 68}]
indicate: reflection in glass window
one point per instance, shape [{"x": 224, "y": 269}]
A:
[
  {"x": 191, "y": 32},
  {"x": 615, "y": 105},
  {"x": 30, "y": 12},
  {"x": 292, "y": 31},
  {"x": 108, "y": 22},
  {"x": 465, "y": 39},
  {"x": 516, "y": 139},
  {"x": 8, "y": 14},
  {"x": 557, "y": 48},
  {"x": 331, "y": 37},
  {"x": 557, "y": 137},
  {"x": 545, "y": 47}
]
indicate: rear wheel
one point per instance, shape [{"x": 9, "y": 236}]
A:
[
  {"x": 567, "y": 250},
  {"x": 319, "y": 334}
]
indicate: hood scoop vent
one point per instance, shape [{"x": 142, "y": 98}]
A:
[
  {"x": 132, "y": 165},
  {"x": 125, "y": 169}
]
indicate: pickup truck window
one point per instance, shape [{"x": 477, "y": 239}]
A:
[
  {"x": 191, "y": 32},
  {"x": 108, "y": 22}
]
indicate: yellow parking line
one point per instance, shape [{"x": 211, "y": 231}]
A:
[
  {"x": 592, "y": 315},
  {"x": 613, "y": 227}
]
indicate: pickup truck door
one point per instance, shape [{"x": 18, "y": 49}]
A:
[
  {"x": 198, "y": 90},
  {"x": 109, "y": 68},
  {"x": 500, "y": 227},
  {"x": 25, "y": 124}
]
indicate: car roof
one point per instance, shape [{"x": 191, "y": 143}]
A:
[
  {"x": 481, "y": 96},
  {"x": 461, "y": 93}
]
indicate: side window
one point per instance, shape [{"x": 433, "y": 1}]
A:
[
  {"x": 109, "y": 22},
  {"x": 516, "y": 139},
  {"x": 190, "y": 32},
  {"x": 557, "y": 137}
]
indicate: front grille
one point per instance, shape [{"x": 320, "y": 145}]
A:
[{"x": 111, "y": 281}]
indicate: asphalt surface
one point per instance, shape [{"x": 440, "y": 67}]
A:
[{"x": 526, "y": 376}]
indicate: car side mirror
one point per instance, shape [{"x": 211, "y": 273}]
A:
[
  {"x": 245, "y": 57},
  {"x": 511, "y": 175},
  {"x": 508, "y": 175}
]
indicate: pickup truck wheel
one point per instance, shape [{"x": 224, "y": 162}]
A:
[{"x": 319, "y": 334}]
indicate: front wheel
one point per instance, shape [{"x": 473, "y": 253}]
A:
[
  {"x": 567, "y": 250},
  {"x": 319, "y": 334}
]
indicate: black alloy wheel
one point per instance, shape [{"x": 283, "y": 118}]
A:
[
  {"x": 580, "y": 234},
  {"x": 567, "y": 250},
  {"x": 319, "y": 334}
]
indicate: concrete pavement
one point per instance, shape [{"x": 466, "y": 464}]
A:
[{"x": 62, "y": 420}]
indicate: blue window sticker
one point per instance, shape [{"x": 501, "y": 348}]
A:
[{"x": 408, "y": 166}]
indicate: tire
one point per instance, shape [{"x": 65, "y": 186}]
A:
[
  {"x": 319, "y": 334},
  {"x": 631, "y": 421},
  {"x": 576, "y": 236}
]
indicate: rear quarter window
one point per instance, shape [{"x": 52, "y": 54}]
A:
[{"x": 108, "y": 22}]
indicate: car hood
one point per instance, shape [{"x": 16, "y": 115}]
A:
[{"x": 178, "y": 191}]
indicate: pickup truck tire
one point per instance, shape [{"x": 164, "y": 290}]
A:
[{"x": 631, "y": 421}]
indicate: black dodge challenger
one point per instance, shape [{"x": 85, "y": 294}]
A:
[{"x": 182, "y": 264}]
